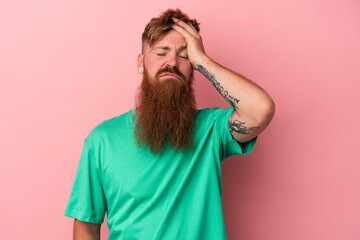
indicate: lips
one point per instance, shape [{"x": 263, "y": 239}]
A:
[{"x": 170, "y": 75}]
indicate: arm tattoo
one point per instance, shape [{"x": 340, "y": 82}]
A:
[
  {"x": 237, "y": 126},
  {"x": 232, "y": 100}
]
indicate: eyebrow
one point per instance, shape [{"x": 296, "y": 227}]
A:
[{"x": 167, "y": 48}]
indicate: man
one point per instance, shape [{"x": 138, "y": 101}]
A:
[{"x": 156, "y": 170}]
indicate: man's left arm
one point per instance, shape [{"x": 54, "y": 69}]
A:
[{"x": 254, "y": 108}]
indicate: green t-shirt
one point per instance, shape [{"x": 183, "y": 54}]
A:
[{"x": 155, "y": 196}]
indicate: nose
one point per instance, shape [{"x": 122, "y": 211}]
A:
[{"x": 172, "y": 61}]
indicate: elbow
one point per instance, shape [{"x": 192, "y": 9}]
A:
[
  {"x": 270, "y": 108},
  {"x": 260, "y": 114},
  {"x": 266, "y": 111}
]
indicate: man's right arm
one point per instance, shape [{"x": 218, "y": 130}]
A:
[{"x": 86, "y": 230}]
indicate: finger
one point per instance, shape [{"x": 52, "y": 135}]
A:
[
  {"x": 182, "y": 32},
  {"x": 192, "y": 26},
  {"x": 187, "y": 26},
  {"x": 184, "y": 25}
]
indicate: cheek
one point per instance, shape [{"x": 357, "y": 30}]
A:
[
  {"x": 152, "y": 67},
  {"x": 186, "y": 70}
]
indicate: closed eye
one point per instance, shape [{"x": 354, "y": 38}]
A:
[{"x": 161, "y": 54}]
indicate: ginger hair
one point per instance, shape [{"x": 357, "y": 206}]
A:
[{"x": 158, "y": 27}]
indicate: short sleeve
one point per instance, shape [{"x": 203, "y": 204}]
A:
[
  {"x": 87, "y": 201},
  {"x": 229, "y": 146}
]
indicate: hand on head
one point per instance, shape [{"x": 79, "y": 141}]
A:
[{"x": 195, "y": 47}]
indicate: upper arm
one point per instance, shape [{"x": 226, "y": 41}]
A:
[
  {"x": 244, "y": 129},
  {"x": 86, "y": 229}
]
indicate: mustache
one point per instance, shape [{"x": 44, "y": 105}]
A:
[{"x": 169, "y": 69}]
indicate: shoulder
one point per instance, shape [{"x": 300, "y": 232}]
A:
[
  {"x": 213, "y": 118},
  {"x": 213, "y": 113},
  {"x": 111, "y": 125}
]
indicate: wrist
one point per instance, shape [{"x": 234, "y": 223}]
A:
[{"x": 201, "y": 61}]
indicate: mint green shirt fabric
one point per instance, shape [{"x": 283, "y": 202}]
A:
[{"x": 155, "y": 196}]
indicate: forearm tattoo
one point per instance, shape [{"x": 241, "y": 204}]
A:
[
  {"x": 237, "y": 126},
  {"x": 232, "y": 100}
]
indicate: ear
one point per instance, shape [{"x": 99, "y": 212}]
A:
[{"x": 140, "y": 62}]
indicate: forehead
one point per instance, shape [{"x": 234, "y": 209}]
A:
[{"x": 171, "y": 40}]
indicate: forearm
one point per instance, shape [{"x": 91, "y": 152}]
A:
[
  {"x": 251, "y": 102},
  {"x": 249, "y": 99},
  {"x": 86, "y": 231}
]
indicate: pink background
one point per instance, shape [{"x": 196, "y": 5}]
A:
[{"x": 65, "y": 66}]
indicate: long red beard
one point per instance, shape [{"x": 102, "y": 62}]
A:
[{"x": 166, "y": 113}]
